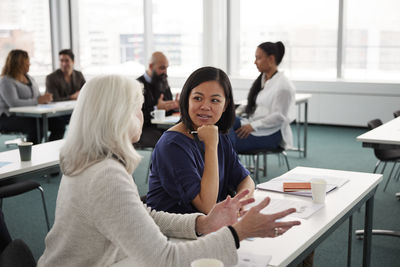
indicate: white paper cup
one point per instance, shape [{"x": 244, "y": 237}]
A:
[
  {"x": 318, "y": 190},
  {"x": 158, "y": 114},
  {"x": 206, "y": 263},
  {"x": 25, "y": 150}
]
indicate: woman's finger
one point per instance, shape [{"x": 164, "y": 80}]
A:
[
  {"x": 262, "y": 204},
  {"x": 282, "y": 214},
  {"x": 242, "y": 194}
]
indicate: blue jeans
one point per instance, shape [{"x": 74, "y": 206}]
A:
[{"x": 253, "y": 142}]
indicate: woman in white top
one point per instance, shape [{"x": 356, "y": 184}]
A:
[
  {"x": 265, "y": 121},
  {"x": 100, "y": 219}
]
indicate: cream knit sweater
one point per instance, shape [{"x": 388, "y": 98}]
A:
[{"x": 100, "y": 220}]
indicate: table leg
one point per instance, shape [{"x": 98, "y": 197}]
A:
[
  {"x": 305, "y": 128},
  {"x": 39, "y": 140},
  {"x": 298, "y": 129},
  {"x": 45, "y": 127},
  {"x": 349, "y": 240},
  {"x": 369, "y": 210}
]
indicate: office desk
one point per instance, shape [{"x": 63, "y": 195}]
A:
[
  {"x": 386, "y": 136},
  {"x": 301, "y": 99},
  {"x": 291, "y": 248},
  {"x": 45, "y": 160},
  {"x": 45, "y": 112}
]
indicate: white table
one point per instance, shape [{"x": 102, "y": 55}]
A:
[
  {"x": 45, "y": 160},
  {"x": 44, "y": 111},
  {"x": 386, "y": 136},
  {"x": 292, "y": 247}
]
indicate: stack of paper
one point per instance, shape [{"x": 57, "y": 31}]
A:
[{"x": 276, "y": 184}]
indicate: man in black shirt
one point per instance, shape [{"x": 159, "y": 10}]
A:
[{"x": 157, "y": 95}]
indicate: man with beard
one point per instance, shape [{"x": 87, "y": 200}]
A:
[{"x": 157, "y": 95}]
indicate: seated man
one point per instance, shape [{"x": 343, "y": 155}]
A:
[
  {"x": 64, "y": 84},
  {"x": 157, "y": 95}
]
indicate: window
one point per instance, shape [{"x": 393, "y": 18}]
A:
[
  {"x": 307, "y": 28},
  {"x": 372, "y": 40},
  {"x": 111, "y": 37},
  {"x": 25, "y": 24},
  {"x": 177, "y": 32}
]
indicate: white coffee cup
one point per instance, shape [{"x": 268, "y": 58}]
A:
[
  {"x": 206, "y": 263},
  {"x": 158, "y": 114},
  {"x": 318, "y": 190}
]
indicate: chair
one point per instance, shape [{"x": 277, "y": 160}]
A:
[
  {"x": 255, "y": 155},
  {"x": 17, "y": 254},
  {"x": 396, "y": 113},
  {"x": 19, "y": 187},
  {"x": 145, "y": 148},
  {"x": 384, "y": 155}
]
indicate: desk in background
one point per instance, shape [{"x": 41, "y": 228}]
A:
[
  {"x": 45, "y": 112},
  {"x": 386, "y": 136},
  {"x": 45, "y": 160}
]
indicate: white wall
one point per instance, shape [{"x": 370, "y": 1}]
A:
[{"x": 337, "y": 102}]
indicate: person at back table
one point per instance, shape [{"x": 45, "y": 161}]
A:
[
  {"x": 194, "y": 165},
  {"x": 17, "y": 89},
  {"x": 157, "y": 95},
  {"x": 100, "y": 219},
  {"x": 64, "y": 84},
  {"x": 265, "y": 121}
]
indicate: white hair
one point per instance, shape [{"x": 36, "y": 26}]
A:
[{"x": 103, "y": 123}]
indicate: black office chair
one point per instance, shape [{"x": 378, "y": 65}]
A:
[
  {"x": 14, "y": 188},
  {"x": 255, "y": 155},
  {"x": 384, "y": 155},
  {"x": 17, "y": 254}
]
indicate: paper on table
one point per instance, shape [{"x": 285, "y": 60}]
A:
[
  {"x": 304, "y": 209},
  {"x": 304, "y": 177},
  {"x": 4, "y": 163},
  {"x": 247, "y": 259},
  {"x": 277, "y": 186}
]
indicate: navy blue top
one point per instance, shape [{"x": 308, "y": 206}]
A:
[{"x": 177, "y": 168}]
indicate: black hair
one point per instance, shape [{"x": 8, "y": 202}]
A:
[
  {"x": 67, "y": 52},
  {"x": 278, "y": 51},
  {"x": 202, "y": 75}
]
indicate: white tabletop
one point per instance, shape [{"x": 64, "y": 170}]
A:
[
  {"x": 169, "y": 120},
  {"x": 388, "y": 133},
  {"x": 43, "y": 155},
  {"x": 286, "y": 248},
  {"x": 46, "y": 108}
]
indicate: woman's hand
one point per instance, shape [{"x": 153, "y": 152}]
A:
[
  {"x": 209, "y": 135},
  {"x": 256, "y": 224},
  {"x": 46, "y": 98},
  {"x": 244, "y": 131},
  {"x": 223, "y": 214}
]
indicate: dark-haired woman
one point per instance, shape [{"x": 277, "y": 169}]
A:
[
  {"x": 17, "y": 89},
  {"x": 194, "y": 165},
  {"x": 265, "y": 121}
]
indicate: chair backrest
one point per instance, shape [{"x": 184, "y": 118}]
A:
[
  {"x": 396, "y": 113},
  {"x": 17, "y": 254},
  {"x": 374, "y": 123}
]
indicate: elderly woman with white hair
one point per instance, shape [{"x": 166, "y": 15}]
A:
[{"x": 100, "y": 219}]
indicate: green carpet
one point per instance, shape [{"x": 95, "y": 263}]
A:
[{"x": 328, "y": 147}]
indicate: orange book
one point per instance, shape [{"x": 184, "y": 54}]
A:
[{"x": 294, "y": 187}]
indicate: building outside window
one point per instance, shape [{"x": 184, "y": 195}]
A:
[{"x": 25, "y": 24}]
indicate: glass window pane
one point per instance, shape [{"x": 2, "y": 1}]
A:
[
  {"x": 372, "y": 40},
  {"x": 178, "y": 29},
  {"x": 111, "y": 37},
  {"x": 307, "y": 28},
  {"x": 25, "y": 24}
]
